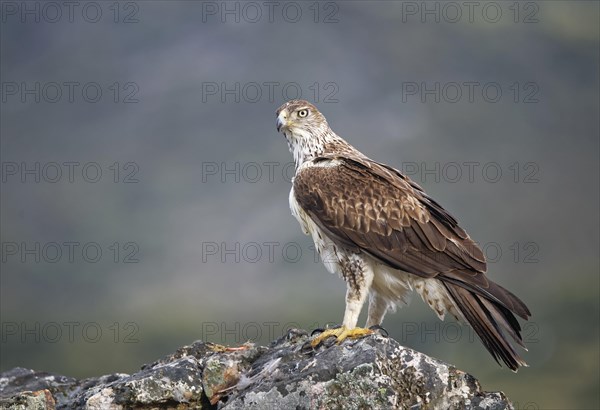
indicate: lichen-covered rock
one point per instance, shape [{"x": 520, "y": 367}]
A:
[
  {"x": 369, "y": 373},
  {"x": 29, "y": 400}
]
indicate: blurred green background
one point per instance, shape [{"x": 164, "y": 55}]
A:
[{"x": 493, "y": 109}]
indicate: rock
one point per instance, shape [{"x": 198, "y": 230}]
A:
[
  {"x": 30, "y": 400},
  {"x": 374, "y": 372}
]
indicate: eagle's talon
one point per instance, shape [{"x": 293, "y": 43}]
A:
[
  {"x": 340, "y": 334},
  {"x": 307, "y": 348},
  {"x": 317, "y": 331},
  {"x": 380, "y": 330},
  {"x": 320, "y": 330},
  {"x": 330, "y": 341}
]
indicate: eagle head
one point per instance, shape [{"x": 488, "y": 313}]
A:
[
  {"x": 299, "y": 117},
  {"x": 306, "y": 130}
]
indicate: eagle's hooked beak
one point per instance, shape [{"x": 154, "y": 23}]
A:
[{"x": 281, "y": 120}]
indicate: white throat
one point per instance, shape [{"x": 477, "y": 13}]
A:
[{"x": 303, "y": 146}]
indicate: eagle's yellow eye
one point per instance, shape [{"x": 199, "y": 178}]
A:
[{"x": 303, "y": 113}]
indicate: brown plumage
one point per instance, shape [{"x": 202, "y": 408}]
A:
[{"x": 385, "y": 236}]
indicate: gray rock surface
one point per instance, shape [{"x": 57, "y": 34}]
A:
[{"x": 374, "y": 372}]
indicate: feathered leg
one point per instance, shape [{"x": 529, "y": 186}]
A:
[
  {"x": 378, "y": 307},
  {"x": 358, "y": 282}
]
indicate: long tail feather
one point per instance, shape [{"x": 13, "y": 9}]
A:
[{"x": 491, "y": 319}]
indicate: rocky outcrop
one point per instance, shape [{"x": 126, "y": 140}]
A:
[{"x": 374, "y": 372}]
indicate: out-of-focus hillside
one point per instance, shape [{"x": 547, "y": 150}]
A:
[{"x": 145, "y": 189}]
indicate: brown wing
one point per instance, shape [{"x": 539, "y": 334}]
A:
[{"x": 369, "y": 207}]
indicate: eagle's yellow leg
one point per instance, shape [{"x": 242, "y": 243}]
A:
[{"x": 341, "y": 333}]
